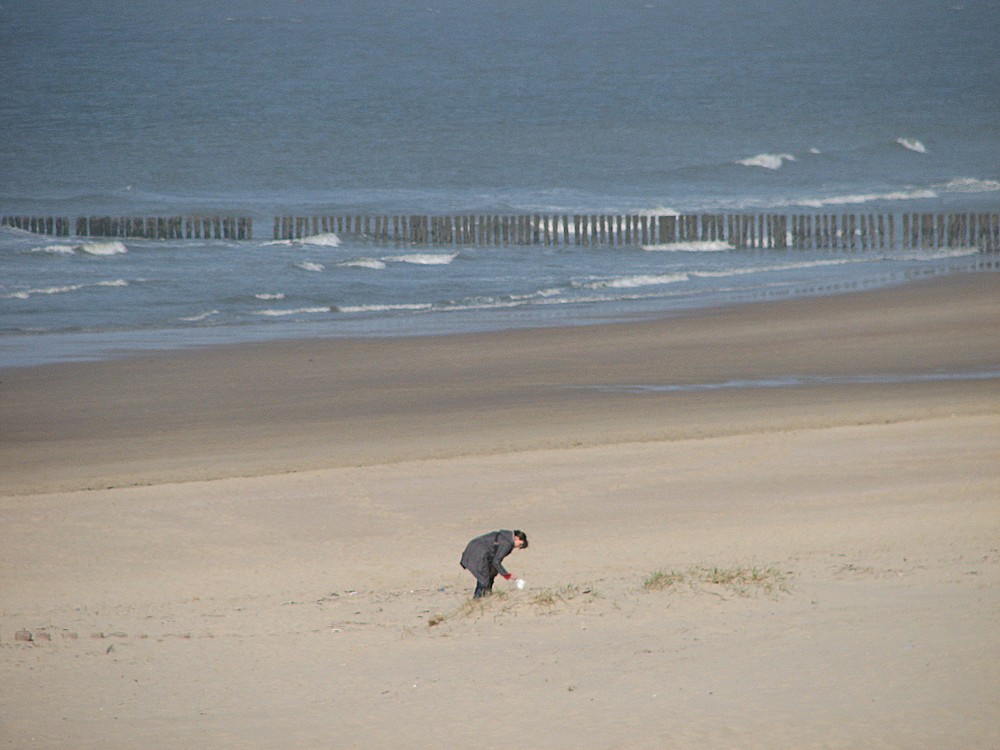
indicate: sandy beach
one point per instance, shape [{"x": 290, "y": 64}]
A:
[{"x": 257, "y": 546}]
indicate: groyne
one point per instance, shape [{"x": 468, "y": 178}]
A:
[
  {"x": 148, "y": 227},
  {"x": 849, "y": 232}
]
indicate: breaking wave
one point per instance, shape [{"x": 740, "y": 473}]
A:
[
  {"x": 103, "y": 248},
  {"x": 373, "y": 263},
  {"x": 971, "y": 185},
  {"x": 308, "y": 265},
  {"x": 912, "y": 144},
  {"x": 704, "y": 246},
  {"x": 66, "y": 289},
  {"x": 424, "y": 259},
  {"x": 767, "y": 161}
]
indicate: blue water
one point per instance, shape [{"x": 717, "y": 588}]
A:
[{"x": 313, "y": 107}]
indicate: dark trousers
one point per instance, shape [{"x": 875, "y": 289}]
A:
[{"x": 484, "y": 588}]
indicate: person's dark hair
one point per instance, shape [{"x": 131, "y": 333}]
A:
[{"x": 522, "y": 536}]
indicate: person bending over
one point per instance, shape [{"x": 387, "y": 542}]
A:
[{"x": 483, "y": 557}]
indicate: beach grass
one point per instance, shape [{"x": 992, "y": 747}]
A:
[{"x": 739, "y": 579}]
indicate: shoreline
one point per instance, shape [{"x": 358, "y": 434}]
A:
[
  {"x": 37, "y": 350},
  {"x": 286, "y": 406}
]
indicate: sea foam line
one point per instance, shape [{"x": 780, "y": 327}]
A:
[
  {"x": 845, "y": 200},
  {"x": 703, "y": 246},
  {"x": 328, "y": 239},
  {"x": 55, "y": 249},
  {"x": 423, "y": 259},
  {"x": 296, "y": 311},
  {"x": 201, "y": 317},
  {"x": 90, "y": 248},
  {"x": 639, "y": 280},
  {"x": 27, "y": 293},
  {"x": 415, "y": 307},
  {"x": 971, "y": 185}
]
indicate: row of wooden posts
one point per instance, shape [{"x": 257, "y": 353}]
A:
[
  {"x": 150, "y": 227},
  {"x": 743, "y": 231},
  {"x": 849, "y": 232}
]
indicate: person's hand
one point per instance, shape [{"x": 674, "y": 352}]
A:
[{"x": 508, "y": 576}]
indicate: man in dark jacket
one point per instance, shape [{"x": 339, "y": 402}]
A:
[{"x": 483, "y": 557}]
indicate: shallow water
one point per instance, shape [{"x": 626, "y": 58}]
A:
[{"x": 309, "y": 107}]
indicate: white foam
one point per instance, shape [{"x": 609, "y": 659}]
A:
[
  {"x": 814, "y": 150},
  {"x": 270, "y": 296},
  {"x": 8, "y": 229},
  {"x": 308, "y": 265},
  {"x": 383, "y": 308},
  {"x": 660, "y": 211},
  {"x": 103, "y": 248},
  {"x": 424, "y": 259},
  {"x": 971, "y": 185},
  {"x": 535, "y": 295},
  {"x": 28, "y": 293},
  {"x": 55, "y": 249},
  {"x": 201, "y": 317},
  {"x": 297, "y": 311},
  {"x": 706, "y": 246},
  {"x": 779, "y": 267},
  {"x": 631, "y": 282},
  {"x": 845, "y": 200},
  {"x": 767, "y": 161},
  {"x": 938, "y": 254},
  {"x": 328, "y": 239},
  {"x": 372, "y": 263},
  {"x": 912, "y": 144}
]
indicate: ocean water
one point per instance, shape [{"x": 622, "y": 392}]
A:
[{"x": 308, "y": 107}]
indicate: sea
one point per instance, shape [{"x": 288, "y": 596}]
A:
[{"x": 468, "y": 107}]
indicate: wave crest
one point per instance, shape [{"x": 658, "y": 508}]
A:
[
  {"x": 631, "y": 282},
  {"x": 103, "y": 248},
  {"x": 702, "y": 246},
  {"x": 912, "y": 144},
  {"x": 28, "y": 293},
  {"x": 372, "y": 263},
  {"x": 846, "y": 200},
  {"x": 296, "y": 311},
  {"x": 424, "y": 259},
  {"x": 328, "y": 239},
  {"x": 308, "y": 265},
  {"x": 767, "y": 161},
  {"x": 971, "y": 185}
]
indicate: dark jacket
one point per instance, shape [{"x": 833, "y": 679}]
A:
[{"x": 483, "y": 556}]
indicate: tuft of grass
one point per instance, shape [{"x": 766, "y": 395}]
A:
[
  {"x": 739, "y": 579},
  {"x": 500, "y": 602},
  {"x": 551, "y": 597},
  {"x": 470, "y": 608},
  {"x": 661, "y": 579}
]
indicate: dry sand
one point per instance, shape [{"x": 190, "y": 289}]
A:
[{"x": 257, "y": 546}]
